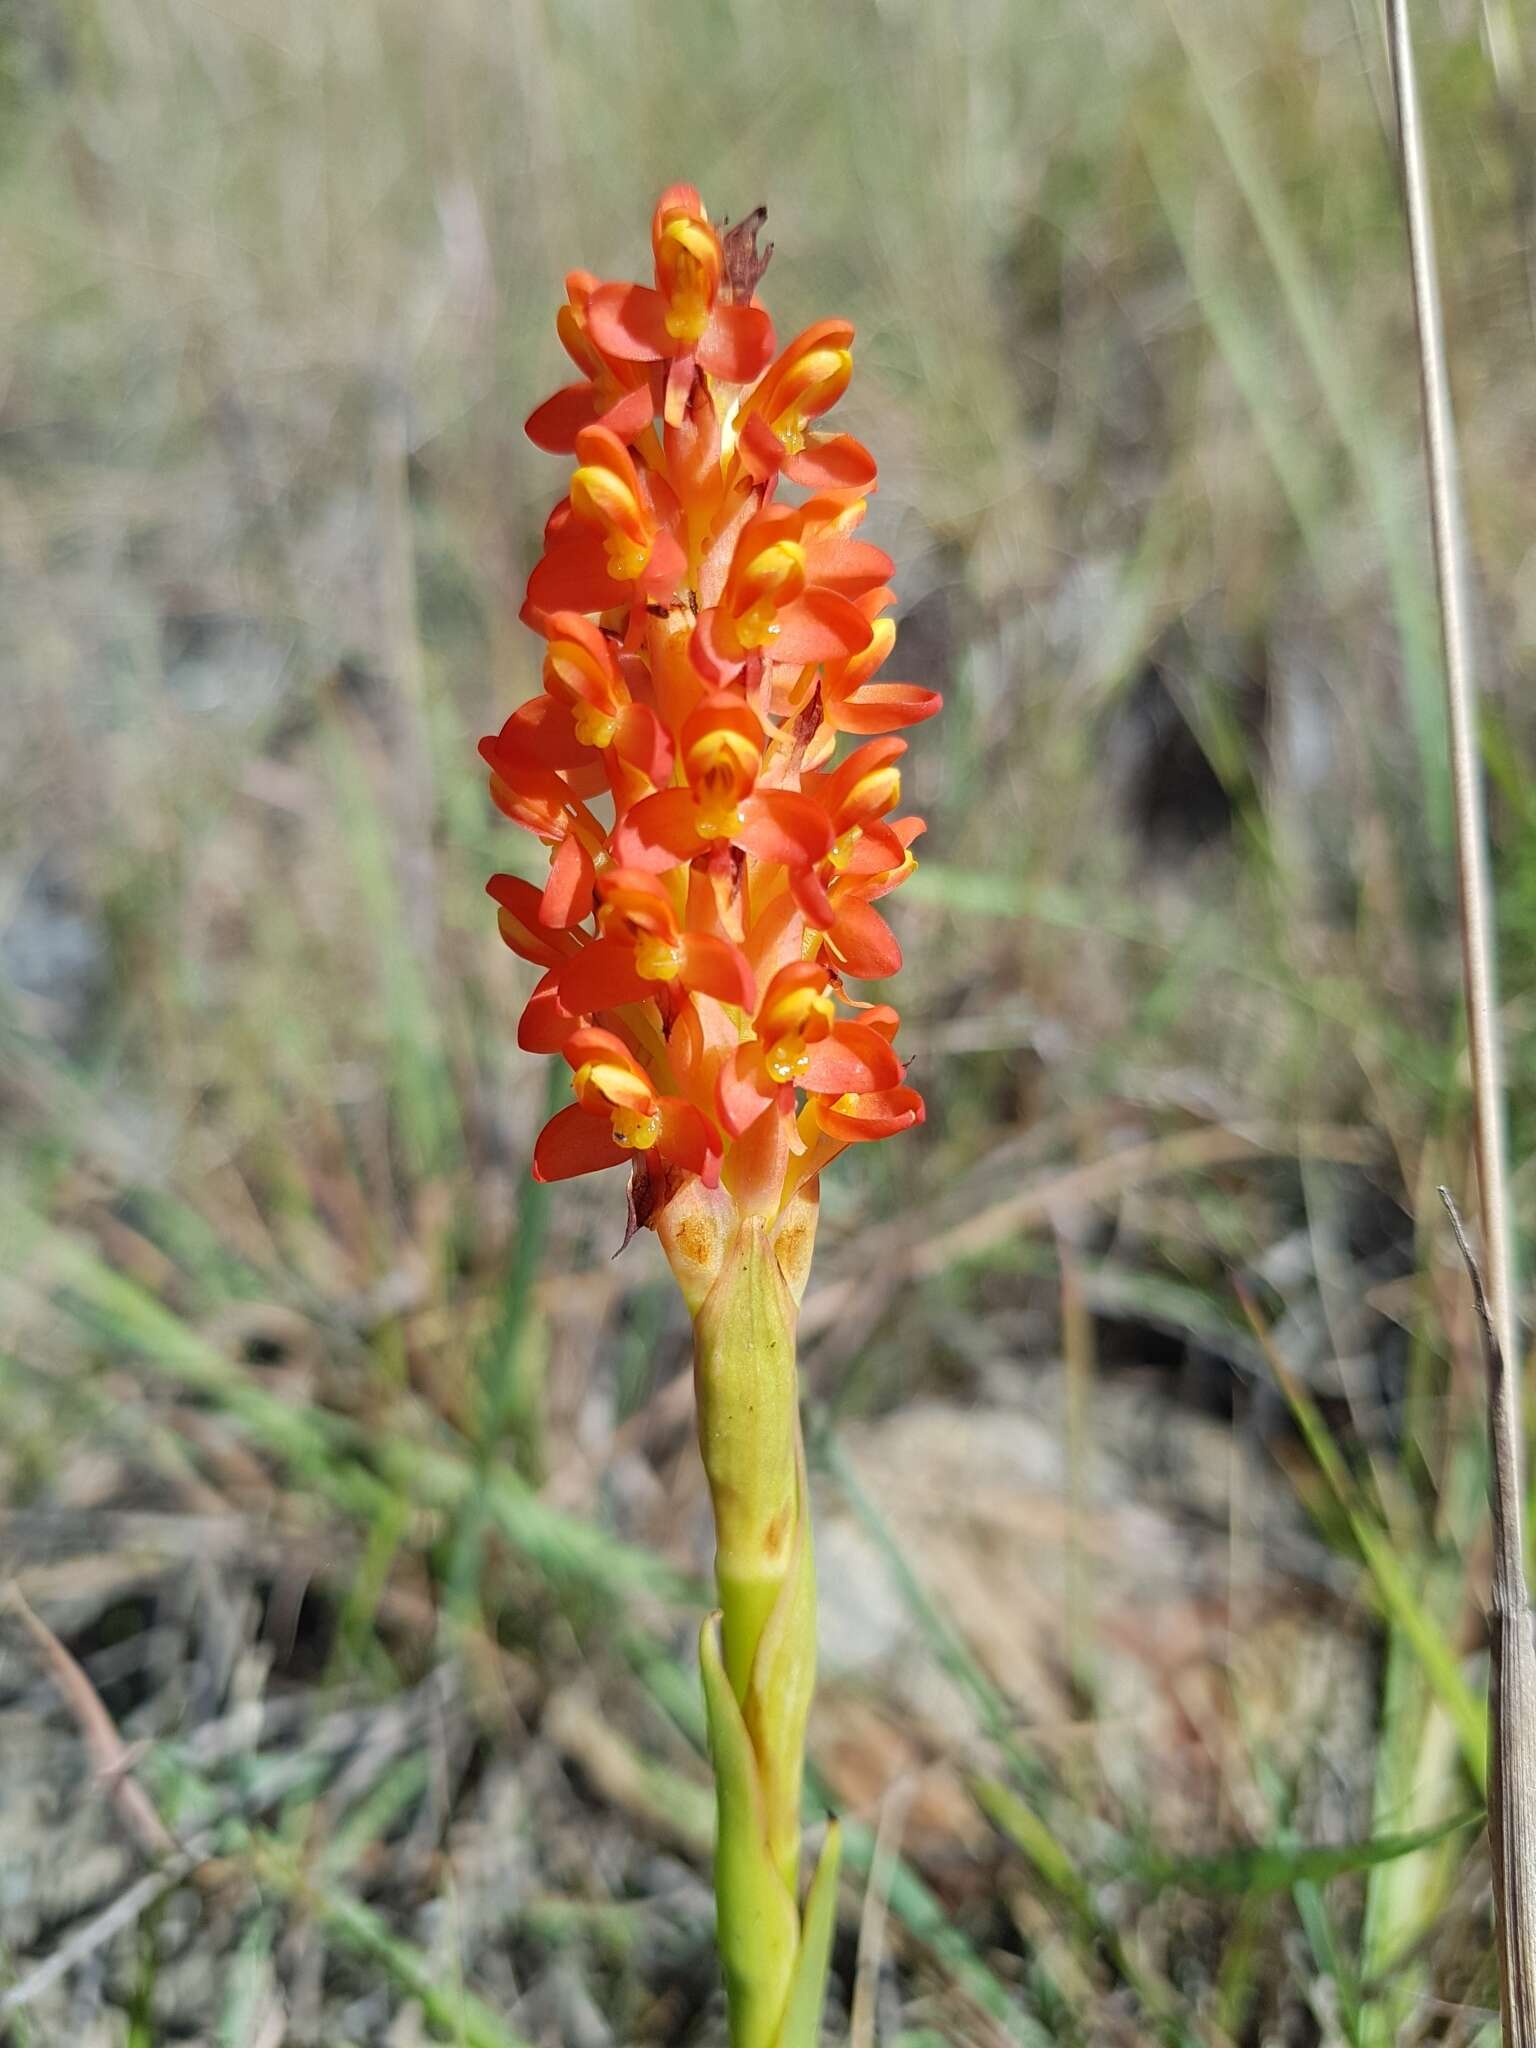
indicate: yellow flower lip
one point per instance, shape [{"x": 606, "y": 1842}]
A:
[
  {"x": 758, "y": 626},
  {"x": 593, "y": 728},
  {"x": 687, "y": 317},
  {"x": 688, "y": 273},
  {"x": 626, "y": 558},
  {"x": 787, "y": 1057},
  {"x": 658, "y": 960},
  {"x": 772, "y": 579},
  {"x": 815, "y": 385},
  {"x": 604, "y": 499},
  {"x": 718, "y": 820},
  {"x": 797, "y": 1021},
  {"x": 842, "y": 850},
  {"x": 634, "y": 1131}
]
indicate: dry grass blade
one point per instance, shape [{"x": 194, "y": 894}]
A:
[
  {"x": 106, "y": 1748},
  {"x": 1477, "y": 945},
  {"x": 877, "y": 1900},
  {"x": 102, "y": 1928},
  {"x": 1512, "y": 1776},
  {"x": 1512, "y": 1772}
]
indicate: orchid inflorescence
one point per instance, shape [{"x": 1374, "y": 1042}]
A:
[{"x": 714, "y": 866}]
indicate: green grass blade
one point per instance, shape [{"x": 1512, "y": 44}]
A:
[{"x": 1277, "y": 1867}]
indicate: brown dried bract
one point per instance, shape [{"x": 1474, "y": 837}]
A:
[
  {"x": 641, "y": 1205},
  {"x": 806, "y": 726},
  {"x": 744, "y": 261}
]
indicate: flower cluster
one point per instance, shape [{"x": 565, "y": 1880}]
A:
[{"x": 714, "y": 866}]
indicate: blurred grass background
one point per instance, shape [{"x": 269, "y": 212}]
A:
[{"x": 1143, "y": 1399}]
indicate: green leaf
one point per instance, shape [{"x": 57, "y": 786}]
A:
[{"x": 802, "y": 2018}]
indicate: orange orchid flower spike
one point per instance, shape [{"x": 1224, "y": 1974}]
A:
[{"x": 708, "y": 639}]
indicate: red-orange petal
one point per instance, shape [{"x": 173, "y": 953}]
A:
[
  {"x": 519, "y": 903},
  {"x": 864, "y": 1117},
  {"x": 760, "y": 449},
  {"x": 861, "y": 941},
  {"x": 739, "y": 1097},
  {"x": 785, "y": 826},
  {"x": 713, "y": 647},
  {"x": 541, "y": 731},
  {"x": 835, "y": 462},
  {"x": 544, "y": 1026},
  {"x": 629, "y": 323},
  {"x": 568, "y": 892},
  {"x": 665, "y": 569},
  {"x": 810, "y": 895},
  {"x": 689, "y": 1139},
  {"x": 714, "y": 967},
  {"x": 643, "y": 743},
  {"x": 877, "y": 850},
  {"x": 822, "y": 625},
  {"x": 737, "y": 345},
  {"x": 851, "y": 1060},
  {"x": 572, "y": 576},
  {"x": 886, "y": 707},
  {"x": 554, "y": 425},
  {"x": 658, "y": 832},
  {"x": 575, "y": 1141},
  {"x": 601, "y": 977},
  {"x": 629, "y": 416},
  {"x": 853, "y": 567}
]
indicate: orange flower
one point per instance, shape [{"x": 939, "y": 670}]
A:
[
  {"x": 853, "y": 702},
  {"x": 685, "y": 321},
  {"x": 807, "y": 380},
  {"x": 720, "y": 804},
  {"x": 611, "y": 541},
  {"x": 798, "y": 1040},
  {"x": 616, "y": 395},
  {"x": 714, "y": 865},
  {"x": 619, "y": 1113},
  {"x": 642, "y": 951},
  {"x": 777, "y": 602}
]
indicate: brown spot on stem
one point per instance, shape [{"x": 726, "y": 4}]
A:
[{"x": 693, "y": 1240}]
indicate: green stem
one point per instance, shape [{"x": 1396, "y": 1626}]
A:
[{"x": 759, "y": 1665}]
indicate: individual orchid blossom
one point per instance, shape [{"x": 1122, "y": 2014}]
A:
[
  {"x": 619, "y": 1112},
  {"x": 616, "y": 395},
  {"x": 687, "y": 322},
  {"x": 713, "y": 625}
]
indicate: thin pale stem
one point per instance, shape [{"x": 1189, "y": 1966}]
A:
[
  {"x": 1478, "y": 958},
  {"x": 1512, "y": 1749}
]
